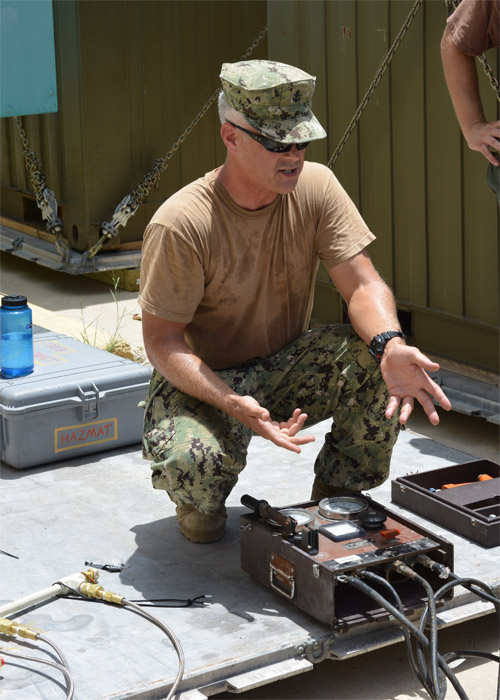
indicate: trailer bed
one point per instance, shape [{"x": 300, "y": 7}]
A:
[{"x": 102, "y": 509}]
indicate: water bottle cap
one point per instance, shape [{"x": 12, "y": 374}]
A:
[{"x": 14, "y": 300}]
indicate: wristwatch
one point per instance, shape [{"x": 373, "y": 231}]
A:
[{"x": 377, "y": 346}]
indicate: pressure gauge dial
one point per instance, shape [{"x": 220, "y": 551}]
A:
[{"x": 342, "y": 508}]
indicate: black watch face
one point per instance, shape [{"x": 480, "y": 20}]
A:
[{"x": 377, "y": 345}]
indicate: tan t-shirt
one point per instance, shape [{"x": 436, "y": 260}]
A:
[
  {"x": 244, "y": 280},
  {"x": 475, "y": 26}
]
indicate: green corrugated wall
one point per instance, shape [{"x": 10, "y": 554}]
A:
[
  {"x": 420, "y": 189},
  {"x": 132, "y": 75}
]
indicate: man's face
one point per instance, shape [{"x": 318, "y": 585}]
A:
[{"x": 265, "y": 171}]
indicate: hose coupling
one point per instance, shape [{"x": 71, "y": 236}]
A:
[
  {"x": 401, "y": 568},
  {"x": 12, "y": 629},
  {"x": 440, "y": 569},
  {"x": 93, "y": 590}
]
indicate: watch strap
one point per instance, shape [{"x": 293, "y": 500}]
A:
[{"x": 378, "y": 343}]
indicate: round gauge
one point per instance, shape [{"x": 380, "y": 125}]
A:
[
  {"x": 342, "y": 508},
  {"x": 300, "y": 515}
]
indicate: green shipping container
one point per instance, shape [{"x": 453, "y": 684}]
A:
[{"x": 133, "y": 75}]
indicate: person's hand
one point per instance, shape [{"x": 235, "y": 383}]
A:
[
  {"x": 482, "y": 136},
  {"x": 404, "y": 370},
  {"x": 284, "y": 434}
]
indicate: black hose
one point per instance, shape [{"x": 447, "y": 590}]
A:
[
  {"x": 465, "y": 582},
  {"x": 422, "y": 677},
  {"x": 368, "y": 590},
  {"x": 431, "y": 607},
  {"x": 486, "y": 593}
]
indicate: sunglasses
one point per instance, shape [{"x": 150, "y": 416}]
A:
[{"x": 269, "y": 144}]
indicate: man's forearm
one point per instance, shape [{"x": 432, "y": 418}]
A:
[
  {"x": 372, "y": 310},
  {"x": 461, "y": 79},
  {"x": 175, "y": 360}
]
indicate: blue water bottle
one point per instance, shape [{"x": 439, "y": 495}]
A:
[{"x": 16, "y": 329}]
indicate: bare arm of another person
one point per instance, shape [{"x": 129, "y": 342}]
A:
[
  {"x": 169, "y": 353},
  {"x": 461, "y": 79},
  {"x": 372, "y": 311}
]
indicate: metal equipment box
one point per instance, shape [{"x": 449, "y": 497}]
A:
[
  {"x": 78, "y": 400},
  {"x": 470, "y": 508},
  {"x": 313, "y": 577}
]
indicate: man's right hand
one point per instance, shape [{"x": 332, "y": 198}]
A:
[
  {"x": 173, "y": 358},
  {"x": 283, "y": 434},
  {"x": 483, "y": 135}
]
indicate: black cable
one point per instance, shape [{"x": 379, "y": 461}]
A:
[
  {"x": 431, "y": 605},
  {"x": 184, "y": 602},
  {"x": 487, "y": 593},
  {"x": 368, "y": 590},
  {"x": 470, "y": 584},
  {"x": 444, "y": 572},
  {"x": 465, "y": 582},
  {"x": 150, "y": 602},
  {"x": 424, "y": 679},
  {"x": 462, "y": 653},
  {"x": 405, "y": 570}
]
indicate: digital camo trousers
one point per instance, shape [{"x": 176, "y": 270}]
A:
[{"x": 197, "y": 451}]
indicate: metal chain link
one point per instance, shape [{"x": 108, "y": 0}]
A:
[
  {"x": 378, "y": 77},
  {"x": 131, "y": 202},
  {"x": 452, "y": 6},
  {"x": 489, "y": 72},
  {"x": 45, "y": 198}
]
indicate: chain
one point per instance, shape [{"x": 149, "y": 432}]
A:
[
  {"x": 131, "y": 202},
  {"x": 45, "y": 198},
  {"x": 378, "y": 77},
  {"x": 452, "y": 6},
  {"x": 489, "y": 72}
]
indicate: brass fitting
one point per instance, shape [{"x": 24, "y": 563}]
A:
[
  {"x": 91, "y": 575},
  {"x": 12, "y": 628},
  {"x": 92, "y": 590}
]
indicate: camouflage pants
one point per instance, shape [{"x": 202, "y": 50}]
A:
[{"x": 197, "y": 451}]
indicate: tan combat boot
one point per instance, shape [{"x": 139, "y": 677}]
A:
[
  {"x": 199, "y": 527},
  {"x": 321, "y": 490}
]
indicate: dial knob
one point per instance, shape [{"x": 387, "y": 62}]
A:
[{"x": 373, "y": 520}]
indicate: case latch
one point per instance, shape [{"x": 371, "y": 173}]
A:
[{"x": 90, "y": 402}]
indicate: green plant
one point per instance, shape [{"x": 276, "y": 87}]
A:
[
  {"x": 115, "y": 342},
  {"x": 115, "y": 339}
]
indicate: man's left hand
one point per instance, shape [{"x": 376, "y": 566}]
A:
[{"x": 404, "y": 370}]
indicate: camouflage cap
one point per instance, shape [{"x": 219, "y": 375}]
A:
[{"x": 274, "y": 98}]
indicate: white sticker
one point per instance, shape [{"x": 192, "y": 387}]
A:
[{"x": 351, "y": 559}]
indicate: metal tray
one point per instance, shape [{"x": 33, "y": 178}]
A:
[{"x": 471, "y": 510}]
